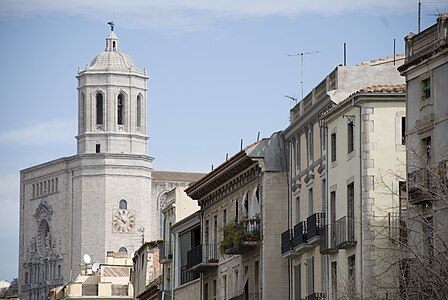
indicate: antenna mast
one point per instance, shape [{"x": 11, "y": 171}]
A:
[
  {"x": 301, "y": 65},
  {"x": 419, "y": 13}
]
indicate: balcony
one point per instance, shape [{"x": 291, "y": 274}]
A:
[
  {"x": 202, "y": 258},
  {"x": 241, "y": 237},
  {"x": 315, "y": 228},
  {"x": 300, "y": 240},
  {"x": 328, "y": 242},
  {"x": 421, "y": 186},
  {"x": 315, "y": 296},
  {"x": 166, "y": 254},
  {"x": 345, "y": 233},
  {"x": 187, "y": 276}
]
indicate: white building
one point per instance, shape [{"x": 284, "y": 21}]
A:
[{"x": 103, "y": 198}]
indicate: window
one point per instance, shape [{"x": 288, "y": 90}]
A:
[
  {"x": 123, "y": 204},
  {"x": 350, "y": 140},
  {"x": 139, "y": 111},
  {"x": 297, "y": 155},
  {"x": 309, "y": 144},
  {"x": 297, "y": 209},
  {"x": 297, "y": 283},
  {"x": 351, "y": 211},
  {"x": 236, "y": 210},
  {"x": 426, "y": 145},
  {"x": 224, "y": 288},
  {"x": 206, "y": 232},
  {"x": 224, "y": 218},
  {"x": 334, "y": 279},
  {"x": 310, "y": 275},
  {"x": 236, "y": 280},
  {"x": 293, "y": 157},
  {"x": 214, "y": 289},
  {"x": 323, "y": 138},
  {"x": 403, "y": 130},
  {"x": 206, "y": 291},
  {"x": 215, "y": 230},
  {"x": 120, "y": 109},
  {"x": 333, "y": 147},
  {"x": 426, "y": 88},
  {"x": 122, "y": 250},
  {"x": 59, "y": 271},
  {"x": 351, "y": 277},
  {"x": 82, "y": 111},
  {"x": 310, "y": 202},
  {"x": 99, "y": 109},
  {"x": 26, "y": 277},
  {"x": 97, "y": 148},
  {"x": 428, "y": 233}
]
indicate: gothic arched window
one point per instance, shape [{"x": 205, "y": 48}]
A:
[
  {"x": 139, "y": 111},
  {"x": 120, "y": 109},
  {"x": 123, "y": 204},
  {"x": 99, "y": 109}
]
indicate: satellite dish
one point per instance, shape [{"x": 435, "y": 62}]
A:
[
  {"x": 87, "y": 258},
  {"x": 96, "y": 267}
]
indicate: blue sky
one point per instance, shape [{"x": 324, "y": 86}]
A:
[{"x": 218, "y": 71}]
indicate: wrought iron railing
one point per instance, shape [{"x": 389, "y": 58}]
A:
[
  {"x": 345, "y": 232},
  {"x": 187, "y": 276},
  {"x": 300, "y": 233},
  {"x": 287, "y": 241},
  {"x": 315, "y": 224},
  {"x": 204, "y": 253}
]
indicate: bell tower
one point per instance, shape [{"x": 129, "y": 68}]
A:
[{"x": 112, "y": 104}]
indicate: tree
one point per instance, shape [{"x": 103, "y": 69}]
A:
[{"x": 12, "y": 290}]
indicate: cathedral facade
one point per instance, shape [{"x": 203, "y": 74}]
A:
[{"x": 106, "y": 197}]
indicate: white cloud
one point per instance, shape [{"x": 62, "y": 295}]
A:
[
  {"x": 193, "y": 14},
  {"x": 51, "y": 132}
]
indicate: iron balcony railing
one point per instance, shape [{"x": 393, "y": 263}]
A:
[
  {"x": 187, "y": 276},
  {"x": 202, "y": 254},
  {"x": 287, "y": 241},
  {"x": 328, "y": 243},
  {"x": 315, "y": 296},
  {"x": 300, "y": 234},
  {"x": 345, "y": 232},
  {"x": 315, "y": 225}
]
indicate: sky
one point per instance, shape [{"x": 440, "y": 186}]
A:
[{"x": 218, "y": 73}]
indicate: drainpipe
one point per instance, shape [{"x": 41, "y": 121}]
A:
[
  {"x": 360, "y": 190},
  {"x": 327, "y": 170}
]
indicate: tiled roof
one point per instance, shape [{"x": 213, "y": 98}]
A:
[
  {"x": 395, "y": 88},
  {"x": 176, "y": 176}
]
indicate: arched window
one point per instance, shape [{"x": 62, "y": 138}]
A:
[
  {"x": 99, "y": 109},
  {"x": 122, "y": 250},
  {"x": 120, "y": 109},
  {"x": 123, "y": 204},
  {"x": 139, "y": 111}
]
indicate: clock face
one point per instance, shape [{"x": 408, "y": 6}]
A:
[{"x": 123, "y": 220}]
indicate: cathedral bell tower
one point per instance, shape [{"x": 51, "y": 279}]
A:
[{"x": 112, "y": 104}]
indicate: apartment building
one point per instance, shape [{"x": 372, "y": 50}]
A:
[
  {"x": 426, "y": 73},
  {"x": 307, "y": 172},
  {"x": 242, "y": 214},
  {"x": 365, "y": 165}
]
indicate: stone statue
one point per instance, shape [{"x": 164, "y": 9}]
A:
[{"x": 48, "y": 242}]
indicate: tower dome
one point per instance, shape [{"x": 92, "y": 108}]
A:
[{"x": 112, "y": 59}]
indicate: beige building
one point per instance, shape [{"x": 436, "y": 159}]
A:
[
  {"x": 107, "y": 281},
  {"x": 308, "y": 178},
  {"x": 426, "y": 73},
  {"x": 177, "y": 206},
  {"x": 180, "y": 282},
  {"x": 106, "y": 197},
  {"x": 365, "y": 165},
  {"x": 242, "y": 214}
]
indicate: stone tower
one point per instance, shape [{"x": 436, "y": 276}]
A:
[
  {"x": 98, "y": 200},
  {"x": 112, "y": 104}
]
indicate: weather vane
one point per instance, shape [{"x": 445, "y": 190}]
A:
[{"x": 111, "y": 23}]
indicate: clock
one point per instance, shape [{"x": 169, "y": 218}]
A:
[{"x": 123, "y": 220}]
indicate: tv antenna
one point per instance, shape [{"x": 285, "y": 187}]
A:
[{"x": 301, "y": 54}]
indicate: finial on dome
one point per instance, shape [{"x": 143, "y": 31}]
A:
[{"x": 111, "y": 23}]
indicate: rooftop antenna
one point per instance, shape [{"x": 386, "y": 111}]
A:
[
  {"x": 301, "y": 65},
  {"x": 419, "y": 13},
  {"x": 345, "y": 54},
  {"x": 292, "y": 98}
]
